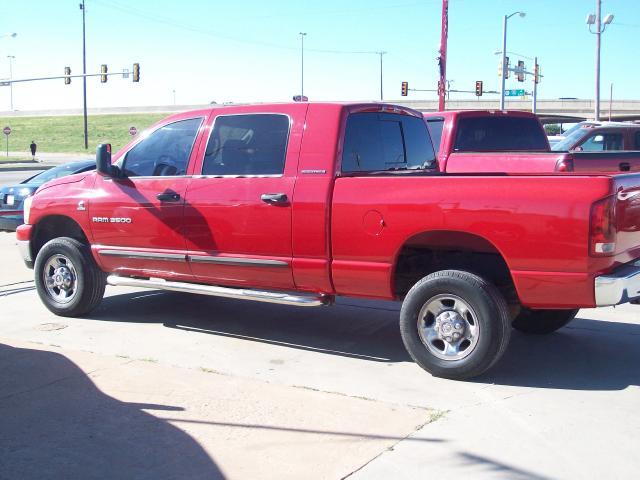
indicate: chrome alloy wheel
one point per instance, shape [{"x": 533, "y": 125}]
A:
[
  {"x": 448, "y": 327},
  {"x": 60, "y": 278}
]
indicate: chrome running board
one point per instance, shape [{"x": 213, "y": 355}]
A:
[{"x": 237, "y": 293}]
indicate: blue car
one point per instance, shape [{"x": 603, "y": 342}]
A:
[{"x": 12, "y": 198}]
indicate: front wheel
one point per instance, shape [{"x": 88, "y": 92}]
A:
[
  {"x": 67, "y": 278},
  {"x": 542, "y": 322},
  {"x": 455, "y": 324}
]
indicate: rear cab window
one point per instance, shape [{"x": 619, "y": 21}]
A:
[
  {"x": 499, "y": 134},
  {"x": 435, "y": 130},
  {"x": 376, "y": 141}
]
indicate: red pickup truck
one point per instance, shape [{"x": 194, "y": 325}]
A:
[
  {"x": 485, "y": 141},
  {"x": 298, "y": 203}
]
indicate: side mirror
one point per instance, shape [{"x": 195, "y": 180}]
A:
[{"x": 103, "y": 160}]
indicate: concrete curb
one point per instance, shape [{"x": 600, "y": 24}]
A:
[{"x": 19, "y": 168}]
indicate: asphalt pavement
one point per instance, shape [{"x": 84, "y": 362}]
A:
[
  {"x": 166, "y": 385},
  {"x": 13, "y": 178}
]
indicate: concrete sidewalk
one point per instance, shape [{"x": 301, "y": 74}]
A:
[{"x": 69, "y": 414}]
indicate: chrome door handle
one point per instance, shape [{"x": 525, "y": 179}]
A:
[{"x": 274, "y": 198}]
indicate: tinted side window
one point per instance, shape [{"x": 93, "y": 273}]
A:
[
  {"x": 599, "y": 142},
  {"x": 499, "y": 134},
  {"x": 386, "y": 141},
  {"x": 165, "y": 152},
  {"x": 247, "y": 145},
  {"x": 637, "y": 141},
  {"x": 435, "y": 129}
]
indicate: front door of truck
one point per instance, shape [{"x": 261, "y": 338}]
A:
[
  {"x": 238, "y": 211},
  {"x": 137, "y": 219}
]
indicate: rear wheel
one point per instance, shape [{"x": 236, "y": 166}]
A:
[
  {"x": 542, "y": 322},
  {"x": 455, "y": 324},
  {"x": 67, "y": 278}
]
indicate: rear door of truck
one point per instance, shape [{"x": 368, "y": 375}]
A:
[{"x": 238, "y": 204}]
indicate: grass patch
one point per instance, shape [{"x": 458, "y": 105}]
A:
[{"x": 65, "y": 134}]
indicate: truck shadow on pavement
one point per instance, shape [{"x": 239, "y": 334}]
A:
[
  {"x": 586, "y": 355},
  {"x": 55, "y": 423},
  {"x": 352, "y": 328}
]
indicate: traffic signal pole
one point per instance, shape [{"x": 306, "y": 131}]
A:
[{"x": 442, "y": 59}]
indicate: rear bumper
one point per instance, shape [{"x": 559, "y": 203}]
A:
[
  {"x": 23, "y": 238},
  {"x": 620, "y": 286}
]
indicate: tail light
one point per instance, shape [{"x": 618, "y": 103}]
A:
[
  {"x": 564, "y": 165},
  {"x": 603, "y": 228}
]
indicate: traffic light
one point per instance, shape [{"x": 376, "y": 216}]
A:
[
  {"x": 103, "y": 73},
  {"x": 536, "y": 73},
  {"x": 405, "y": 89},
  {"x": 506, "y": 68},
  {"x": 520, "y": 71},
  {"x": 479, "y": 88},
  {"x": 67, "y": 72},
  {"x": 136, "y": 72}
]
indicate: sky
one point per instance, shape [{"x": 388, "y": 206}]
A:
[{"x": 249, "y": 50}]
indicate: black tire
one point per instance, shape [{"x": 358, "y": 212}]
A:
[
  {"x": 86, "y": 287},
  {"x": 490, "y": 314},
  {"x": 542, "y": 322}
]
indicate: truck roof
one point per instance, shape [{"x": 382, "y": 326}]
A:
[
  {"x": 377, "y": 106},
  {"x": 477, "y": 113}
]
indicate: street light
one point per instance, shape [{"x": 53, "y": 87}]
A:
[
  {"x": 11, "y": 58},
  {"x": 302, "y": 35},
  {"x": 504, "y": 54},
  {"x": 600, "y": 27},
  {"x": 12, "y": 35}
]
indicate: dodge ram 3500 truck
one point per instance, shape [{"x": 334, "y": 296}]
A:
[
  {"x": 489, "y": 141},
  {"x": 298, "y": 203}
]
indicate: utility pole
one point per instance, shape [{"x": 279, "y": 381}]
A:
[
  {"x": 442, "y": 59},
  {"x": 302, "y": 35},
  {"x": 598, "y": 35},
  {"x": 610, "y": 100},
  {"x": 11, "y": 58},
  {"x": 535, "y": 86},
  {"x": 84, "y": 79},
  {"x": 381, "y": 54}
]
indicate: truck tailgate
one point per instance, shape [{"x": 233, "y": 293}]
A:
[
  {"x": 627, "y": 215},
  {"x": 503, "y": 162},
  {"x": 584, "y": 162}
]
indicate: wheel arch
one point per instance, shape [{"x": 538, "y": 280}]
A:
[
  {"x": 54, "y": 226},
  {"x": 430, "y": 251}
]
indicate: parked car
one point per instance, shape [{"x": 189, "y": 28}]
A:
[
  {"x": 298, "y": 203},
  {"x": 486, "y": 141},
  {"x": 12, "y": 197},
  {"x": 553, "y": 139},
  {"x": 601, "y": 137}
]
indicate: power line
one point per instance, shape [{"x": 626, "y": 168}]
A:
[{"x": 192, "y": 28}]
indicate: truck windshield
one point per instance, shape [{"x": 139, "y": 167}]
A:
[{"x": 500, "y": 134}]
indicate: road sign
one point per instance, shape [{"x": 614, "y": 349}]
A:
[
  {"x": 133, "y": 131},
  {"x": 514, "y": 92}
]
